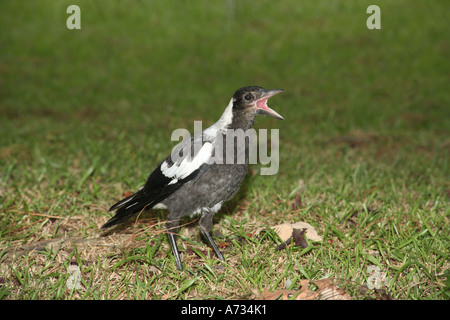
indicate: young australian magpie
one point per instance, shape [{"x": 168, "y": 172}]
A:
[{"x": 190, "y": 183}]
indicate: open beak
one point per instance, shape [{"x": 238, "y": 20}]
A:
[{"x": 261, "y": 104}]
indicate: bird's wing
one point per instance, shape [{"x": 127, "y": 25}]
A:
[
  {"x": 177, "y": 169},
  {"x": 186, "y": 160}
]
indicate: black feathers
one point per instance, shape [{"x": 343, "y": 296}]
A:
[
  {"x": 157, "y": 188},
  {"x": 167, "y": 178}
]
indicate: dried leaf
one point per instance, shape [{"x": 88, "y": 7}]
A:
[
  {"x": 326, "y": 291},
  {"x": 305, "y": 293},
  {"x": 275, "y": 295},
  {"x": 283, "y": 245},
  {"x": 299, "y": 237},
  {"x": 285, "y": 230}
]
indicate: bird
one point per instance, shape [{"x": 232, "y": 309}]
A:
[{"x": 188, "y": 182}]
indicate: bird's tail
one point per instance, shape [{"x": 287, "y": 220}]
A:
[{"x": 126, "y": 208}]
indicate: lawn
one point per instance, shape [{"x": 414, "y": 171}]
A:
[{"x": 364, "y": 149}]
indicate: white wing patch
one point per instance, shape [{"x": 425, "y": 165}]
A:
[{"x": 188, "y": 165}]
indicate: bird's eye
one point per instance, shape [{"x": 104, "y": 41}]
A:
[{"x": 248, "y": 97}]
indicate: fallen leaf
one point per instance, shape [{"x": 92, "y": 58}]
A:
[
  {"x": 275, "y": 295},
  {"x": 298, "y": 236},
  {"x": 326, "y": 290},
  {"x": 285, "y": 230},
  {"x": 283, "y": 245},
  {"x": 303, "y": 294}
]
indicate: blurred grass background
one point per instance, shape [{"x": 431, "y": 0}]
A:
[{"x": 90, "y": 112}]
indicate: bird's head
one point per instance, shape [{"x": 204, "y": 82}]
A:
[{"x": 253, "y": 100}]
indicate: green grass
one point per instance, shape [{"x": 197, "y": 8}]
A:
[{"x": 364, "y": 150}]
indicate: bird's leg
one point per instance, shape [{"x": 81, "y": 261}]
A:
[
  {"x": 172, "y": 226},
  {"x": 205, "y": 224},
  {"x": 213, "y": 244}
]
